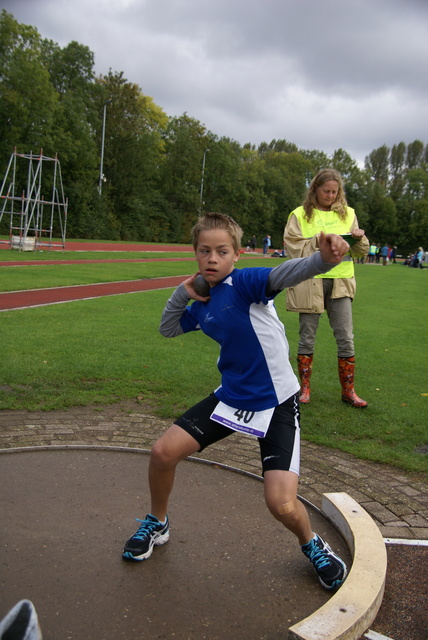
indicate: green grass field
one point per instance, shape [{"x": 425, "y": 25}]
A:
[{"x": 108, "y": 349}]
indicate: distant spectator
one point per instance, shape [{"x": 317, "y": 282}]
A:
[
  {"x": 393, "y": 254},
  {"x": 372, "y": 252},
  {"x": 384, "y": 254},
  {"x": 253, "y": 243},
  {"x": 266, "y": 245},
  {"x": 378, "y": 250},
  {"x": 419, "y": 259}
]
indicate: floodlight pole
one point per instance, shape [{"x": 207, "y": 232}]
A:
[
  {"x": 100, "y": 182},
  {"x": 202, "y": 182}
]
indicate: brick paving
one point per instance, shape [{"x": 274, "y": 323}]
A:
[{"x": 396, "y": 500}]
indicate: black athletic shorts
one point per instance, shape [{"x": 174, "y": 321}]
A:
[{"x": 279, "y": 449}]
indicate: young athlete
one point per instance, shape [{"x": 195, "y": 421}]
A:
[{"x": 258, "y": 393}]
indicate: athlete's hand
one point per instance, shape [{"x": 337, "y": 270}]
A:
[
  {"x": 191, "y": 291},
  {"x": 332, "y": 247}
]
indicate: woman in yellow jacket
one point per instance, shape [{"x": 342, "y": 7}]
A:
[{"x": 325, "y": 209}]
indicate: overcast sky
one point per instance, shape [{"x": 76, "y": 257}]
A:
[{"x": 324, "y": 74}]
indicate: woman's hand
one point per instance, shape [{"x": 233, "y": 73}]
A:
[{"x": 332, "y": 247}]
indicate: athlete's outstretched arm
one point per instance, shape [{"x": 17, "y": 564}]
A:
[{"x": 292, "y": 272}]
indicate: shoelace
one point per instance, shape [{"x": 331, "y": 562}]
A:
[
  {"x": 145, "y": 528},
  {"x": 318, "y": 557}
]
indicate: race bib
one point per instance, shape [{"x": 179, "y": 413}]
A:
[{"x": 253, "y": 423}]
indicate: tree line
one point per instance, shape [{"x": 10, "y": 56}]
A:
[{"x": 160, "y": 172}]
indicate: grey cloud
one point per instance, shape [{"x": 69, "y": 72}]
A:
[{"x": 323, "y": 74}]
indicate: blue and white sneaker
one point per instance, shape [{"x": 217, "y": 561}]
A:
[
  {"x": 151, "y": 532},
  {"x": 21, "y": 623},
  {"x": 330, "y": 568}
]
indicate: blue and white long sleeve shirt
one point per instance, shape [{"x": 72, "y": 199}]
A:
[{"x": 240, "y": 316}]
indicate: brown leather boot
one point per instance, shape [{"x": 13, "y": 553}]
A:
[
  {"x": 346, "y": 377},
  {"x": 304, "y": 364}
]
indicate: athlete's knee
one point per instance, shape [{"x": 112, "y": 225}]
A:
[
  {"x": 161, "y": 454},
  {"x": 285, "y": 512},
  {"x": 175, "y": 445},
  {"x": 286, "y": 508}
]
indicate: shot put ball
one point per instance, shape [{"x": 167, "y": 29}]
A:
[{"x": 201, "y": 286}]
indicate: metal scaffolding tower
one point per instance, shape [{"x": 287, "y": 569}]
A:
[{"x": 33, "y": 219}]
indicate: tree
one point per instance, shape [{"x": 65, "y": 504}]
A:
[
  {"x": 51, "y": 100},
  {"x": 377, "y": 165},
  {"x": 382, "y": 212},
  {"x": 418, "y": 226},
  {"x": 29, "y": 102},
  {"x": 185, "y": 142},
  {"x": 71, "y": 69},
  {"x": 224, "y": 186},
  {"x": 72, "y": 75},
  {"x": 412, "y": 211},
  {"x": 348, "y": 168},
  {"x": 318, "y": 159},
  {"x": 415, "y": 152},
  {"x": 133, "y": 152},
  {"x": 285, "y": 185},
  {"x": 397, "y": 162},
  {"x": 355, "y": 180}
]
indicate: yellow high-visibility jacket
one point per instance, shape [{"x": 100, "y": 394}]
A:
[{"x": 301, "y": 239}]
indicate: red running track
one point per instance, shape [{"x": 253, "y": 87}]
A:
[
  {"x": 36, "y": 263},
  {"x": 41, "y": 297},
  {"x": 75, "y": 245}
]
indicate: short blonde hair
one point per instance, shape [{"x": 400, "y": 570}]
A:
[
  {"x": 321, "y": 178},
  {"x": 210, "y": 221}
]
